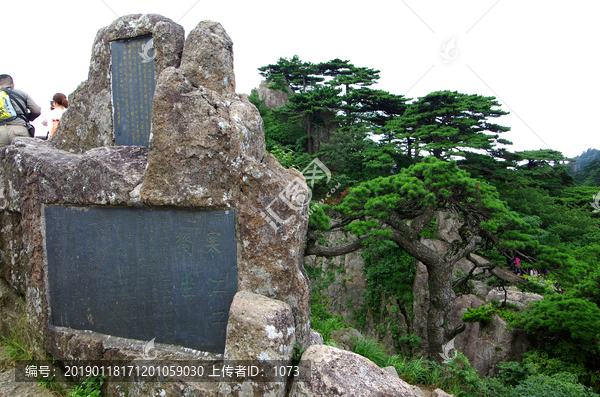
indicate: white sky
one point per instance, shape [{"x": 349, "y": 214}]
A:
[{"x": 538, "y": 57}]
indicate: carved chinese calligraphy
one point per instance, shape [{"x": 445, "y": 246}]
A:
[{"x": 132, "y": 81}]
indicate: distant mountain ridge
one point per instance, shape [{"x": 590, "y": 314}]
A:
[{"x": 583, "y": 159}]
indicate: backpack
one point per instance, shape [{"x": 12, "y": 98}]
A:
[
  {"x": 6, "y": 97},
  {"x": 7, "y": 111}
]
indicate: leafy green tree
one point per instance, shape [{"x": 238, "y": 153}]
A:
[
  {"x": 317, "y": 105},
  {"x": 399, "y": 208},
  {"x": 566, "y": 326},
  {"x": 531, "y": 168},
  {"x": 296, "y": 74},
  {"x": 332, "y": 94},
  {"x": 343, "y": 73},
  {"x": 446, "y": 125}
]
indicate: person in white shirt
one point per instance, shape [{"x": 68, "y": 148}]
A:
[{"x": 59, "y": 106}]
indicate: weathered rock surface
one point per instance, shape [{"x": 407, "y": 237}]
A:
[
  {"x": 208, "y": 58},
  {"x": 466, "y": 341},
  {"x": 345, "y": 338},
  {"x": 315, "y": 338},
  {"x": 260, "y": 329},
  {"x": 421, "y": 303},
  {"x": 440, "y": 393},
  {"x": 88, "y": 122},
  {"x": 345, "y": 291},
  {"x": 208, "y": 152},
  {"x": 273, "y": 98},
  {"x": 418, "y": 392},
  {"x": 487, "y": 344},
  {"x": 34, "y": 174},
  {"x": 336, "y": 372},
  {"x": 513, "y": 296},
  {"x": 10, "y": 388}
]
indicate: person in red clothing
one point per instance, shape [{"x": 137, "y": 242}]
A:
[{"x": 518, "y": 268}]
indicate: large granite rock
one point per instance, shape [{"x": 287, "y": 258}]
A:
[
  {"x": 10, "y": 388},
  {"x": 513, "y": 296},
  {"x": 345, "y": 292},
  {"x": 208, "y": 58},
  {"x": 315, "y": 338},
  {"x": 487, "y": 344},
  {"x": 273, "y": 98},
  {"x": 421, "y": 304},
  {"x": 259, "y": 329},
  {"x": 346, "y": 338},
  {"x": 34, "y": 174},
  {"x": 208, "y": 151},
  {"x": 336, "y": 372},
  {"x": 88, "y": 122}
]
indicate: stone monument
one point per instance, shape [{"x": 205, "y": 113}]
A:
[{"x": 87, "y": 223}]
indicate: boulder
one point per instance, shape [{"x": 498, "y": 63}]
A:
[
  {"x": 259, "y": 329},
  {"x": 335, "y": 372},
  {"x": 207, "y": 59},
  {"x": 392, "y": 371},
  {"x": 10, "y": 388},
  {"x": 345, "y": 338},
  {"x": 440, "y": 393},
  {"x": 421, "y": 303},
  {"x": 486, "y": 344},
  {"x": 418, "y": 392},
  {"x": 88, "y": 123},
  {"x": 346, "y": 290},
  {"x": 208, "y": 152},
  {"x": 514, "y": 296},
  {"x": 315, "y": 338},
  {"x": 273, "y": 98},
  {"x": 466, "y": 341}
]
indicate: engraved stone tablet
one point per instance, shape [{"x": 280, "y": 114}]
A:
[
  {"x": 132, "y": 83},
  {"x": 168, "y": 274}
]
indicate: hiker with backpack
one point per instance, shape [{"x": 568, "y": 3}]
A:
[
  {"x": 17, "y": 109},
  {"x": 59, "y": 106}
]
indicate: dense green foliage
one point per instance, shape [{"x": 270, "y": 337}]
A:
[
  {"x": 590, "y": 174},
  {"x": 485, "y": 312},
  {"x": 392, "y": 159}
]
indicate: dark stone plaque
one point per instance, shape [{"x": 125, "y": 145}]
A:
[
  {"x": 132, "y": 83},
  {"x": 140, "y": 273}
]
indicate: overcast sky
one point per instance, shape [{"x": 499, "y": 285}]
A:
[{"x": 538, "y": 58}]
